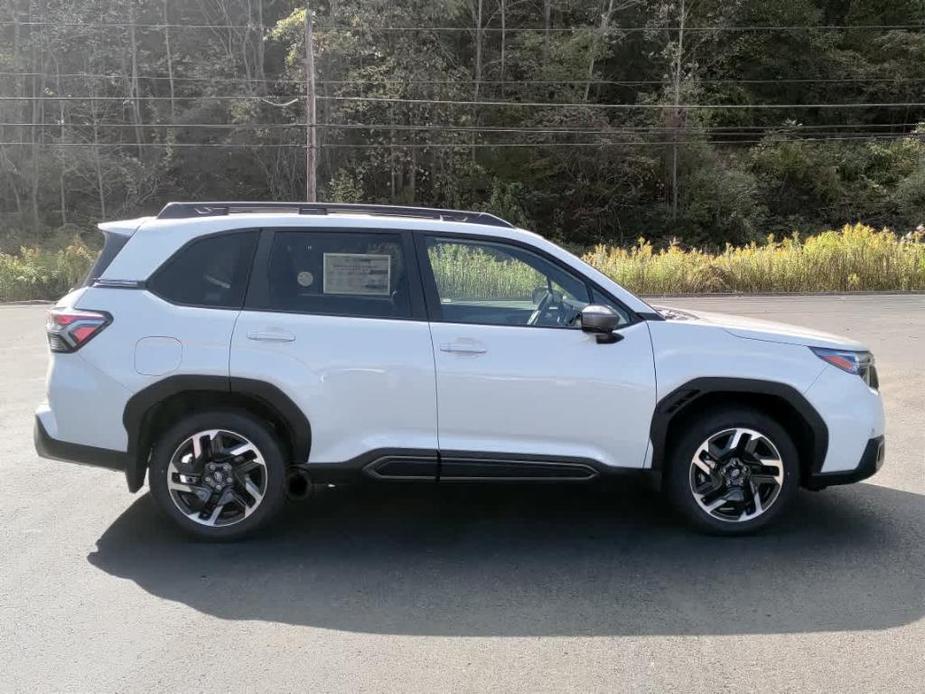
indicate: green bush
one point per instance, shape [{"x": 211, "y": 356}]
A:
[{"x": 35, "y": 273}]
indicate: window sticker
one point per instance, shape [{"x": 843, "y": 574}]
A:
[{"x": 364, "y": 274}]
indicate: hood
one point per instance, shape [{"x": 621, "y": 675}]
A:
[{"x": 768, "y": 331}]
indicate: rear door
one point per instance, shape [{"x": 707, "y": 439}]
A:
[
  {"x": 522, "y": 391},
  {"x": 336, "y": 320}
]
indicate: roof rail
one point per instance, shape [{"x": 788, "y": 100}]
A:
[{"x": 187, "y": 210}]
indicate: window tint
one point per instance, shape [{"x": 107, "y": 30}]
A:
[
  {"x": 601, "y": 300},
  {"x": 112, "y": 244},
  {"x": 338, "y": 273},
  {"x": 212, "y": 271},
  {"x": 500, "y": 284}
]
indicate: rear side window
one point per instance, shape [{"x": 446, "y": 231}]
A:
[
  {"x": 211, "y": 271},
  {"x": 342, "y": 274},
  {"x": 112, "y": 244}
]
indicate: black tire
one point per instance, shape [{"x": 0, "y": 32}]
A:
[
  {"x": 696, "y": 431},
  {"x": 238, "y": 422}
]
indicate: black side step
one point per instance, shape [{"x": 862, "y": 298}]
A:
[{"x": 453, "y": 469}]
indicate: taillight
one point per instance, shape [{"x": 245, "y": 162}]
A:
[{"x": 70, "y": 329}]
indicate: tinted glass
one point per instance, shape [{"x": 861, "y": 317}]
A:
[
  {"x": 500, "y": 284},
  {"x": 601, "y": 300},
  {"x": 112, "y": 244},
  {"x": 339, "y": 273},
  {"x": 211, "y": 272}
]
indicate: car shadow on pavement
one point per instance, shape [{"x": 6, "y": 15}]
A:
[{"x": 536, "y": 561}]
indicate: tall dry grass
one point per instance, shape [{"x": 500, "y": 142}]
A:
[{"x": 854, "y": 258}]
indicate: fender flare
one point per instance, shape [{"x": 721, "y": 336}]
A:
[
  {"x": 678, "y": 400},
  {"x": 144, "y": 401}
]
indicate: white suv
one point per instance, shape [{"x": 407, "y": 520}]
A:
[{"x": 237, "y": 351}]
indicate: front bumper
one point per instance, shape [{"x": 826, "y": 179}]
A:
[
  {"x": 871, "y": 461},
  {"x": 54, "y": 449}
]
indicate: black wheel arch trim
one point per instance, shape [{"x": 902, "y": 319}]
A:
[
  {"x": 678, "y": 401},
  {"x": 141, "y": 405}
]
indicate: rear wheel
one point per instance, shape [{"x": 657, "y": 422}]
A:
[
  {"x": 733, "y": 471},
  {"x": 219, "y": 475}
]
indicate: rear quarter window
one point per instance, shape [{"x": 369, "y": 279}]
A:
[
  {"x": 211, "y": 271},
  {"x": 112, "y": 244}
]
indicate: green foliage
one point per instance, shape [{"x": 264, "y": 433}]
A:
[
  {"x": 396, "y": 122},
  {"x": 346, "y": 186},
  {"x": 35, "y": 273}
]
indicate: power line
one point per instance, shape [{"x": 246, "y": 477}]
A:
[
  {"x": 746, "y": 129},
  {"x": 435, "y": 145},
  {"x": 253, "y": 80},
  {"x": 451, "y": 102},
  {"x": 457, "y": 29},
  {"x": 541, "y": 104}
]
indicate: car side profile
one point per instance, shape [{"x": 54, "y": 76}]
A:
[{"x": 235, "y": 351}]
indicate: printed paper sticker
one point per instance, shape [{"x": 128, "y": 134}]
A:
[{"x": 365, "y": 274}]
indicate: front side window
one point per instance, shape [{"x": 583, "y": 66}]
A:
[
  {"x": 211, "y": 271},
  {"x": 338, "y": 273},
  {"x": 501, "y": 284}
]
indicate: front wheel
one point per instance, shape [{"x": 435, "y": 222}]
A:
[
  {"x": 733, "y": 471},
  {"x": 219, "y": 475}
]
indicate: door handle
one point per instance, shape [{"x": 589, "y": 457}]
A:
[
  {"x": 463, "y": 347},
  {"x": 271, "y": 336}
]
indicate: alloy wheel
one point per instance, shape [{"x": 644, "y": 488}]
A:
[
  {"x": 217, "y": 477},
  {"x": 736, "y": 475}
]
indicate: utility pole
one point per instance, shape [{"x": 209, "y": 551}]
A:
[
  {"x": 311, "y": 138},
  {"x": 676, "y": 113}
]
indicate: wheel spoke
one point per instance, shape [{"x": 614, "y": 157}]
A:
[
  {"x": 197, "y": 448},
  {"x": 775, "y": 463},
  {"x": 756, "y": 499},
  {"x": 252, "y": 489},
  {"x": 178, "y": 485},
  {"x": 718, "y": 493},
  {"x": 211, "y": 508},
  {"x": 236, "y": 497},
  {"x": 243, "y": 449},
  {"x": 213, "y": 448},
  {"x": 247, "y": 467},
  {"x": 716, "y": 504},
  {"x": 741, "y": 441},
  {"x": 763, "y": 479},
  {"x": 706, "y": 465}
]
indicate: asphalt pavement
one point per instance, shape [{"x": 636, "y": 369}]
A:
[{"x": 393, "y": 588}]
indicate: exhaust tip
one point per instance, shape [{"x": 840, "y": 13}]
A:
[{"x": 298, "y": 484}]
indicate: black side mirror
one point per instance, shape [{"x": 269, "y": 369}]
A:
[{"x": 602, "y": 321}]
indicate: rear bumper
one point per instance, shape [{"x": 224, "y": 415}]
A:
[
  {"x": 871, "y": 461},
  {"x": 54, "y": 449}
]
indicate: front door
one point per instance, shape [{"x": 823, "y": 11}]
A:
[{"x": 518, "y": 382}]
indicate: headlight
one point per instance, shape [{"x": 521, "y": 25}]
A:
[{"x": 857, "y": 363}]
